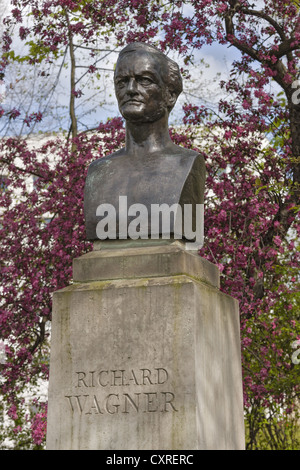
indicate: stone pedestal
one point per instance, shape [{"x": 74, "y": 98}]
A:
[{"x": 145, "y": 354}]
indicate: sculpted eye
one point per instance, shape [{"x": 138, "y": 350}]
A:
[
  {"x": 145, "y": 80},
  {"x": 121, "y": 82}
]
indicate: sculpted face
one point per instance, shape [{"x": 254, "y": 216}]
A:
[{"x": 140, "y": 90}]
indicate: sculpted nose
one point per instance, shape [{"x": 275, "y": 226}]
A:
[{"x": 132, "y": 86}]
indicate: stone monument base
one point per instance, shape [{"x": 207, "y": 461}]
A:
[{"x": 145, "y": 353}]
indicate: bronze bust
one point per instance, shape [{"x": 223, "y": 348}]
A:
[{"x": 150, "y": 169}]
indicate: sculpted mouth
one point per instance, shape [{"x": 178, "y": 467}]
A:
[{"x": 133, "y": 101}]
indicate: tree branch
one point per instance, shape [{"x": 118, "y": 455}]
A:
[
  {"x": 22, "y": 170},
  {"x": 96, "y": 49},
  {"x": 230, "y": 33},
  {"x": 72, "y": 82},
  {"x": 269, "y": 19},
  {"x": 286, "y": 47}
]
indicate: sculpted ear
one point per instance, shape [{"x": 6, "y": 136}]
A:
[{"x": 171, "y": 99}]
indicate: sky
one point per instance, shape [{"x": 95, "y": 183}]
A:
[
  {"x": 23, "y": 85},
  {"x": 203, "y": 88}
]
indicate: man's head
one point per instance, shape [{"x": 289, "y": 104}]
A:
[{"x": 147, "y": 83}]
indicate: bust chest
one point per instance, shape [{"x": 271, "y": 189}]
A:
[{"x": 171, "y": 179}]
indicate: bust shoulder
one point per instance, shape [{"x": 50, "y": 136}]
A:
[
  {"x": 122, "y": 155},
  {"x": 95, "y": 164}
]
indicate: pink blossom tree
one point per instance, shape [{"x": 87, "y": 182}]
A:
[{"x": 252, "y": 203}]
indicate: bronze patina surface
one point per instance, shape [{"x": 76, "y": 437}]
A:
[{"x": 150, "y": 169}]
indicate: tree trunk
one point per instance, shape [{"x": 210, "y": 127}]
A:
[{"x": 73, "y": 129}]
